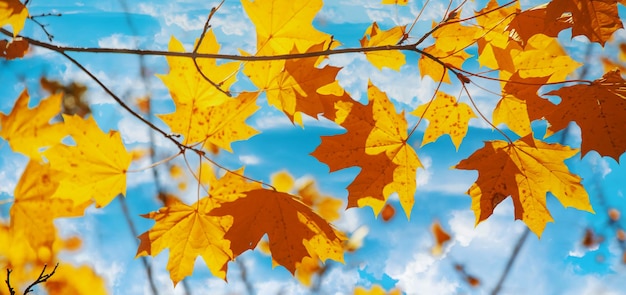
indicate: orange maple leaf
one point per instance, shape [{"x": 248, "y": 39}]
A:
[
  {"x": 14, "y": 13},
  {"x": 374, "y": 36},
  {"x": 325, "y": 206},
  {"x": 526, "y": 170},
  {"x": 445, "y": 116},
  {"x": 94, "y": 168},
  {"x": 297, "y": 86},
  {"x": 189, "y": 232},
  {"x": 595, "y": 19},
  {"x": 530, "y": 22},
  {"x": 282, "y": 24},
  {"x": 598, "y": 109},
  {"x": 17, "y": 48},
  {"x": 441, "y": 237},
  {"x": 376, "y": 141},
  {"x": 34, "y": 210},
  {"x": 28, "y": 130},
  {"x": 294, "y": 230}
]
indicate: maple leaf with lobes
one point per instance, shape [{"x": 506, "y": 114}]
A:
[
  {"x": 294, "y": 230},
  {"x": 526, "y": 170}
]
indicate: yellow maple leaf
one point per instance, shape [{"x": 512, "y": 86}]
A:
[
  {"x": 69, "y": 279},
  {"x": 429, "y": 67},
  {"x": 219, "y": 125},
  {"x": 376, "y": 141},
  {"x": 454, "y": 36},
  {"x": 187, "y": 86},
  {"x": 94, "y": 168},
  {"x": 14, "y": 13},
  {"x": 282, "y": 24},
  {"x": 294, "y": 230},
  {"x": 189, "y": 232},
  {"x": 28, "y": 130},
  {"x": 374, "y": 36},
  {"x": 445, "y": 116},
  {"x": 493, "y": 22},
  {"x": 526, "y": 170},
  {"x": 34, "y": 210},
  {"x": 543, "y": 56}
]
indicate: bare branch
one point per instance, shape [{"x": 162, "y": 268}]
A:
[
  {"x": 41, "y": 279},
  {"x": 11, "y": 290}
]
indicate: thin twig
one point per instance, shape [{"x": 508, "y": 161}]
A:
[
  {"x": 42, "y": 278},
  {"x": 207, "y": 25},
  {"x": 11, "y": 290},
  {"x": 133, "y": 231},
  {"x": 509, "y": 264}
]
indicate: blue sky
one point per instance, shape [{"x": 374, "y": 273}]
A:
[{"x": 396, "y": 253}]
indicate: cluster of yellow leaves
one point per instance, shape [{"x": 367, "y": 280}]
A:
[
  {"x": 59, "y": 181},
  {"x": 62, "y": 179}
]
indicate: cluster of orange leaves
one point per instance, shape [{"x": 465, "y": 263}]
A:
[{"x": 236, "y": 213}]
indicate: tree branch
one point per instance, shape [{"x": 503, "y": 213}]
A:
[
  {"x": 11, "y": 290},
  {"x": 42, "y": 278},
  {"x": 509, "y": 264}
]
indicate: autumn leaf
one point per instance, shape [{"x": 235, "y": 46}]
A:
[
  {"x": 188, "y": 232},
  {"x": 17, "y": 48},
  {"x": 543, "y": 56},
  {"x": 530, "y": 22},
  {"x": 204, "y": 114},
  {"x": 294, "y": 231},
  {"x": 374, "y": 36},
  {"x": 441, "y": 238},
  {"x": 526, "y": 170},
  {"x": 520, "y": 104},
  {"x": 34, "y": 211},
  {"x": 595, "y": 19},
  {"x": 297, "y": 86},
  {"x": 94, "y": 168},
  {"x": 432, "y": 62},
  {"x": 69, "y": 279},
  {"x": 452, "y": 36},
  {"x": 187, "y": 86},
  {"x": 282, "y": 24},
  {"x": 220, "y": 125},
  {"x": 376, "y": 141},
  {"x": 493, "y": 20},
  {"x": 598, "y": 109},
  {"x": 14, "y": 13},
  {"x": 28, "y": 129},
  {"x": 445, "y": 116}
]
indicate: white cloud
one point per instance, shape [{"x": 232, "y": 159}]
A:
[
  {"x": 422, "y": 275},
  {"x": 423, "y": 175},
  {"x": 599, "y": 165},
  {"x": 119, "y": 41},
  {"x": 249, "y": 159}
]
